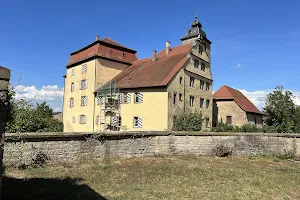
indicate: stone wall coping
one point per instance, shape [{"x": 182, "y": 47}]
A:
[{"x": 123, "y": 135}]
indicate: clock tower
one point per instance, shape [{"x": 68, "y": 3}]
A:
[{"x": 194, "y": 33}]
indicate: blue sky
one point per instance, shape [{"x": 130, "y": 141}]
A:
[{"x": 255, "y": 44}]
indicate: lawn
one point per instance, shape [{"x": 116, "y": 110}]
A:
[{"x": 158, "y": 178}]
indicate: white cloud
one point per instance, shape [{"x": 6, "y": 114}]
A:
[
  {"x": 238, "y": 65},
  {"x": 52, "y": 94},
  {"x": 258, "y": 98}
]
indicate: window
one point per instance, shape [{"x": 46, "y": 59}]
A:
[
  {"x": 201, "y": 102},
  {"x": 84, "y": 100},
  {"x": 192, "y": 80},
  {"x": 137, "y": 122},
  {"x": 207, "y": 103},
  {"x": 82, "y": 119},
  {"x": 72, "y": 87},
  {"x": 196, "y": 63},
  {"x": 180, "y": 97},
  {"x": 174, "y": 98},
  {"x": 138, "y": 97},
  {"x": 203, "y": 66},
  {"x": 200, "y": 49},
  {"x": 84, "y": 68},
  {"x": 73, "y": 72},
  {"x": 207, "y": 86},
  {"x": 72, "y": 102},
  {"x": 123, "y": 54},
  {"x": 202, "y": 85},
  {"x": 97, "y": 120},
  {"x": 74, "y": 120},
  {"x": 192, "y": 101},
  {"x": 228, "y": 120},
  {"x": 127, "y": 97},
  {"x": 83, "y": 84},
  {"x": 180, "y": 80},
  {"x": 120, "y": 98},
  {"x": 110, "y": 51},
  {"x": 207, "y": 122},
  {"x": 99, "y": 100}
]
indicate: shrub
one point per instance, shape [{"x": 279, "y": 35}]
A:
[
  {"x": 188, "y": 122},
  {"x": 221, "y": 150}
]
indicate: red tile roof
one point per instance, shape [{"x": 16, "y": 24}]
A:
[
  {"x": 145, "y": 73},
  {"x": 106, "y": 48},
  {"x": 228, "y": 93}
]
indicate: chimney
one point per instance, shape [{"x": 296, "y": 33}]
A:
[
  {"x": 97, "y": 37},
  {"x": 153, "y": 55},
  {"x": 168, "y": 49}
]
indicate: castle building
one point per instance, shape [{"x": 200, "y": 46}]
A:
[{"x": 108, "y": 88}]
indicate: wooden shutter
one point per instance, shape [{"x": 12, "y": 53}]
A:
[
  {"x": 140, "y": 122},
  {"x": 140, "y": 97}
]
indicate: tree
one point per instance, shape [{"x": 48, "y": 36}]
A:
[
  {"x": 24, "y": 117},
  {"x": 280, "y": 110}
]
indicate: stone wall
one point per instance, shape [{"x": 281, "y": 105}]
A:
[
  {"x": 79, "y": 147},
  {"x": 4, "y": 80}
]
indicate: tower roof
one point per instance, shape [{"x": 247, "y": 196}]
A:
[{"x": 195, "y": 30}]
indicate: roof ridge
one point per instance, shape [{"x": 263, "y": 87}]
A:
[{"x": 113, "y": 41}]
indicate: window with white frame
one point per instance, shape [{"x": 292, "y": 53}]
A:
[
  {"x": 72, "y": 87},
  {"x": 73, "y": 72},
  {"x": 202, "y": 66},
  {"x": 127, "y": 97},
  {"x": 71, "y": 102},
  {"x": 192, "y": 81},
  {"x": 201, "y": 102},
  {"x": 200, "y": 49},
  {"x": 84, "y": 68},
  {"x": 137, "y": 122},
  {"x": 192, "y": 99},
  {"x": 180, "y": 97},
  {"x": 207, "y": 86},
  {"x": 84, "y": 100},
  {"x": 82, "y": 119},
  {"x": 97, "y": 120},
  {"x": 120, "y": 98},
  {"x": 99, "y": 100},
  {"x": 83, "y": 84},
  {"x": 207, "y": 103},
  {"x": 196, "y": 63},
  {"x": 201, "y": 85},
  {"x": 74, "y": 120},
  {"x": 138, "y": 97}
]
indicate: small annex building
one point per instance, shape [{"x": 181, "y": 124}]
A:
[{"x": 232, "y": 107}]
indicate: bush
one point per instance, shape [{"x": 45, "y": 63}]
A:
[
  {"x": 249, "y": 128},
  {"x": 221, "y": 150},
  {"x": 188, "y": 122}
]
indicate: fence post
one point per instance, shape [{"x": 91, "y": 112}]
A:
[{"x": 4, "y": 110}]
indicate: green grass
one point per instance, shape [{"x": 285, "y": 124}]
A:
[{"x": 161, "y": 178}]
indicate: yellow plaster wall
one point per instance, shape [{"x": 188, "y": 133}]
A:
[
  {"x": 106, "y": 70},
  {"x": 153, "y": 110},
  {"x": 68, "y": 112}
]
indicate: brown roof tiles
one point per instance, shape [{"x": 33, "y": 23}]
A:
[
  {"x": 146, "y": 73},
  {"x": 228, "y": 93},
  {"x": 106, "y": 48}
]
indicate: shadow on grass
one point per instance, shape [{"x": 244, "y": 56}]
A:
[{"x": 46, "y": 189}]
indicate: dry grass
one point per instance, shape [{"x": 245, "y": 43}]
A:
[{"x": 178, "y": 178}]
